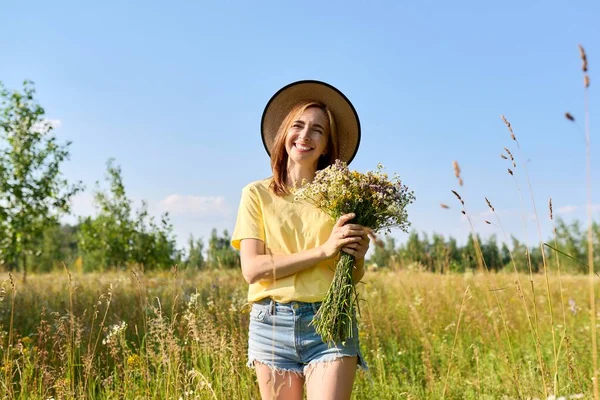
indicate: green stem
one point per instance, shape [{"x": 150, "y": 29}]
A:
[{"x": 335, "y": 317}]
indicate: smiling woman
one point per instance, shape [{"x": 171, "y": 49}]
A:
[
  {"x": 309, "y": 137},
  {"x": 288, "y": 247}
]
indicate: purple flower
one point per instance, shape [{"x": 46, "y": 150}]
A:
[{"x": 573, "y": 306}]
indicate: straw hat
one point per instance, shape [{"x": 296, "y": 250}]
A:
[{"x": 346, "y": 118}]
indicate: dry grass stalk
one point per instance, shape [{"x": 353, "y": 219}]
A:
[
  {"x": 545, "y": 265},
  {"x": 458, "y": 197},
  {"x": 457, "y": 172},
  {"x": 584, "y": 64},
  {"x": 541, "y": 364},
  {"x": 482, "y": 265},
  {"x": 533, "y": 325},
  {"x": 512, "y": 134},
  {"x": 512, "y": 158},
  {"x": 586, "y": 81},
  {"x": 378, "y": 242},
  {"x": 562, "y": 300},
  {"x": 489, "y": 204},
  {"x": 460, "y": 313}
]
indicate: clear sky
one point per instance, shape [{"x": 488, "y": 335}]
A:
[{"x": 174, "y": 91}]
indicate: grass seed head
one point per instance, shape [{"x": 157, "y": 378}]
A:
[
  {"x": 569, "y": 117},
  {"x": 510, "y": 172},
  {"x": 444, "y": 206},
  {"x": 584, "y": 65},
  {"x": 489, "y": 204},
  {"x": 512, "y": 134},
  {"x": 550, "y": 206},
  {"x": 503, "y": 156},
  {"x": 586, "y": 81},
  {"x": 456, "y": 168}
]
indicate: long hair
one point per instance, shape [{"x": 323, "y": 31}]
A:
[{"x": 279, "y": 155}]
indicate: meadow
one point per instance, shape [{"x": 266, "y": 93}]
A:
[{"x": 183, "y": 335}]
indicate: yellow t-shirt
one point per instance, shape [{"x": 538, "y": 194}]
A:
[{"x": 286, "y": 226}]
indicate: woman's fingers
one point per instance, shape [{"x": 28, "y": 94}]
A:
[
  {"x": 346, "y": 232},
  {"x": 343, "y": 219},
  {"x": 350, "y": 251}
]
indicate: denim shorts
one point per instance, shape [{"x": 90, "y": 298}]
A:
[{"x": 280, "y": 337}]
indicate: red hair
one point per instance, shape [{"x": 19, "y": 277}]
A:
[{"x": 279, "y": 155}]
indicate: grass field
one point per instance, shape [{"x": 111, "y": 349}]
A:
[{"x": 184, "y": 335}]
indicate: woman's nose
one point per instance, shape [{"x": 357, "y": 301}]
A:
[{"x": 303, "y": 134}]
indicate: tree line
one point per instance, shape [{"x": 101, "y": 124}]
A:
[
  {"x": 34, "y": 195},
  {"x": 438, "y": 254}
]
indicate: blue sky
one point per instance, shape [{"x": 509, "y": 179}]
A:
[{"x": 175, "y": 91}]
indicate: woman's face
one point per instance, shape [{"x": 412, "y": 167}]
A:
[{"x": 307, "y": 138}]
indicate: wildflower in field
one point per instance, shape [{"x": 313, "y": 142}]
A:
[
  {"x": 114, "y": 333},
  {"x": 379, "y": 203},
  {"x": 134, "y": 361},
  {"x": 573, "y": 307}
]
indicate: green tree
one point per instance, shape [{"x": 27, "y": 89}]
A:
[
  {"x": 106, "y": 241},
  {"x": 439, "y": 254},
  {"x": 491, "y": 254},
  {"x": 220, "y": 252},
  {"x": 505, "y": 253},
  {"x": 384, "y": 252},
  {"x": 522, "y": 256},
  {"x": 152, "y": 244},
  {"x": 195, "y": 258},
  {"x": 58, "y": 244},
  {"x": 33, "y": 192},
  {"x": 413, "y": 251},
  {"x": 113, "y": 239},
  {"x": 470, "y": 255},
  {"x": 572, "y": 240}
]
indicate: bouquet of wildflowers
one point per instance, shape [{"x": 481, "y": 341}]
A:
[{"x": 378, "y": 203}]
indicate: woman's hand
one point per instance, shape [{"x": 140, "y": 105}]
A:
[
  {"x": 358, "y": 249},
  {"x": 346, "y": 236}
]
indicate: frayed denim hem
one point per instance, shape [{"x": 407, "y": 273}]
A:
[
  {"x": 329, "y": 358},
  {"x": 274, "y": 368}
]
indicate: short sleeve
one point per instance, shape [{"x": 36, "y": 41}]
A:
[{"x": 249, "y": 223}]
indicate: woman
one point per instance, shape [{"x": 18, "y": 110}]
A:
[{"x": 288, "y": 248}]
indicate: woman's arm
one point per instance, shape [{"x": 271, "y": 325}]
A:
[
  {"x": 258, "y": 266},
  {"x": 359, "y": 270}
]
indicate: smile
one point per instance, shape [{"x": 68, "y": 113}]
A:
[{"x": 302, "y": 147}]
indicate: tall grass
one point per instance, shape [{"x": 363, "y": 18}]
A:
[{"x": 89, "y": 336}]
